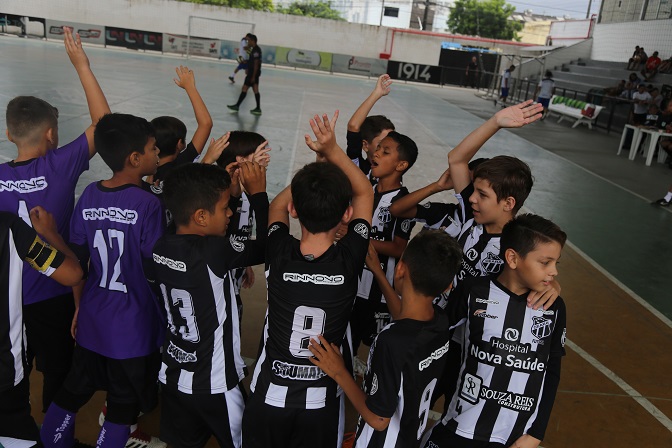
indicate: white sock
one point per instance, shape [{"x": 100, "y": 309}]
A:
[{"x": 668, "y": 196}]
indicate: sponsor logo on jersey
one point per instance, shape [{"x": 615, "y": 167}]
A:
[
  {"x": 547, "y": 312},
  {"x": 297, "y": 372},
  {"x": 491, "y": 302},
  {"x": 541, "y": 327},
  {"x": 471, "y": 387},
  {"x": 509, "y": 400},
  {"x": 273, "y": 228},
  {"x": 468, "y": 269},
  {"x": 427, "y": 204},
  {"x": 374, "y": 385},
  {"x": 384, "y": 215},
  {"x": 318, "y": 279},
  {"x": 484, "y": 314},
  {"x": 62, "y": 428},
  {"x": 511, "y": 334},
  {"x": 502, "y": 347},
  {"x": 113, "y": 214},
  {"x": 471, "y": 254},
  {"x": 362, "y": 230},
  {"x": 492, "y": 263},
  {"x": 436, "y": 354},
  {"x": 528, "y": 364},
  {"x": 563, "y": 338},
  {"x": 157, "y": 189},
  {"x": 180, "y": 355},
  {"x": 382, "y": 320},
  {"x": 175, "y": 265},
  {"x": 238, "y": 246},
  {"x": 24, "y": 185},
  {"x": 406, "y": 225}
]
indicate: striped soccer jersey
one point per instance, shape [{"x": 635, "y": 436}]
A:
[
  {"x": 384, "y": 227},
  {"x": 441, "y": 216},
  {"x": 201, "y": 352},
  {"x": 506, "y": 356},
  {"x": 240, "y": 228},
  {"x": 405, "y": 361},
  {"x": 306, "y": 297},
  {"x": 18, "y": 243}
]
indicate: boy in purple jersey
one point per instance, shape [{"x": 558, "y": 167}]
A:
[
  {"x": 44, "y": 174},
  {"x": 312, "y": 284},
  {"x": 119, "y": 322}
]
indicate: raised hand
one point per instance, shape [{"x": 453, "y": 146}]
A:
[
  {"x": 253, "y": 177},
  {"x": 73, "y": 46},
  {"x": 325, "y": 137},
  {"x": 261, "y": 155},
  {"x": 519, "y": 115},
  {"x": 445, "y": 182},
  {"x": 383, "y": 85},
  {"x": 185, "y": 78},
  {"x": 216, "y": 148}
]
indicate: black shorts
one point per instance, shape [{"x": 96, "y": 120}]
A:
[
  {"x": 271, "y": 427},
  {"x": 188, "y": 421},
  {"x": 129, "y": 382},
  {"x": 48, "y": 332},
  {"x": 15, "y": 418},
  {"x": 250, "y": 80},
  {"x": 368, "y": 318}
]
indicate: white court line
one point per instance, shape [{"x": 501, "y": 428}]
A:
[
  {"x": 290, "y": 172},
  {"x": 646, "y": 404}
]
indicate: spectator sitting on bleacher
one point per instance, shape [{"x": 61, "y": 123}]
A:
[
  {"x": 641, "y": 99},
  {"x": 666, "y": 66},
  {"x": 651, "y": 67},
  {"x": 652, "y": 117},
  {"x": 616, "y": 90},
  {"x": 631, "y": 86},
  {"x": 633, "y": 62}
]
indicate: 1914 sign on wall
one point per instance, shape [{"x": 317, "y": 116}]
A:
[{"x": 407, "y": 71}]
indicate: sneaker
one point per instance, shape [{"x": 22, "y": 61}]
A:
[
  {"x": 233, "y": 81},
  {"x": 233, "y": 107},
  {"x": 139, "y": 439},
  {"x": 662, "y": 202},
  {"x": 256, "y": 111}
]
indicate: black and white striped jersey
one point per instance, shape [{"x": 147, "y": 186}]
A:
[
  {"x": 240, "y": 228},
  {"x": 18, "y": 243},
  {"x": 405, "y": 361},
  {"x": 508, "y": 348},
  {"x": 384, "y": 227},
  {"x": 306, "y": 297},
  {"x": 441, "y": 216},
  {"x": 201, "y": 352}
]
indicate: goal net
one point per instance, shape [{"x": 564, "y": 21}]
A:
[{"x": 228, "y": 31}]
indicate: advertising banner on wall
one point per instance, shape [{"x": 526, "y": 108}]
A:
[
  {"x": 407, "y": 71},
  {"x": 356, "y": 65},
  {"x": 134, "y": 39},
  {"x": 229, "y": 50},
  {"x": 294, "y": 57},
  {"x": 172, "y": 43},
  {"x": 93, "y": 34}
]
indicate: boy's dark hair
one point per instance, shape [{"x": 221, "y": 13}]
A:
[
  {"x": 373, "y": 125},
  {"x": 524, "y": 232},
  {"x": 432, "y": 259},
  {"x": 27, "y": 114},
  {"x": 508, "y": 176},
  {"x": 549, "y": 74},
  {"x": 241, "y": 143},
  {"x": 406, "y": 147},
  {"x": 117, "y": 136},
  {"x": 194, "y": 186},
  {"x": 169, "y": 131},
  {"x": 321, "y": 193},
  {"x": 476, "y": 162},
  {"x": 252, "y": 37}
]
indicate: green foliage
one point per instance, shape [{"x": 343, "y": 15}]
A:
[
  {"x": 259, "y": 5},
  {"x": 485, "y": 18},
  {"x": 318, "y": 9}
]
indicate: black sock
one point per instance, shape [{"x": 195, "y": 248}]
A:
[
  {"x": 241, "y": 98},
  {"x": 257, "y": 96}
]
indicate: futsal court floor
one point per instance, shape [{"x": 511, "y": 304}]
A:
[{"x": 616, "y": 386}]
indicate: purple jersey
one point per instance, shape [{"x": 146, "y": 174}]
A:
[
  {"x": 119, "y": 315},
  {"x": 48, "y": 181}
]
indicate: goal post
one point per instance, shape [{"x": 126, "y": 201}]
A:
[{"x": 219, "y": 29}]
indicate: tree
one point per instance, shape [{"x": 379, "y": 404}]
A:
[
  {"x": 485, "y": 18},
  {"x": 259, "y": 5},
  {"x": 322, "y": 10}
]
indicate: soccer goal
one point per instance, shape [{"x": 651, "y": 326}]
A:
[{"x": 209, "y": 28}]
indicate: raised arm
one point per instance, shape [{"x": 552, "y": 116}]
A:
[
  {"x": 326, "y": 146},
  {"x": 512, "y": 117},
  {"x": 277, "y": 210},
  {"x": 95, "y": 98},
  {"x": 382, "y": 88},
  {"x": 405, "y": 207},
  {"x": 185, "y": 80},
  {"x": 391, "y": 297}
]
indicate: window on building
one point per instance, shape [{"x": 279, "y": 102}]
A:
[{"x": 391, "y": 12}]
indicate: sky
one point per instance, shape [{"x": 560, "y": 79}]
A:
[{"x": 574, "y": 8}]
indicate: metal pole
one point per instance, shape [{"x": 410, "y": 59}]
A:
[
  {"x": 188, "y": 36},
  {"x": 590, "y": 3}
]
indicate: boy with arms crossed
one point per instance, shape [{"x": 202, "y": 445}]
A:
[
  {"x": 44, "y": 174},
  {"x": 408, "y": 356},
  {"x": 202, "y": 365},
  {"x": 510, "y": 370},
  {"x": 312, "y": 284},
  {"x": 119, "y": 322}
]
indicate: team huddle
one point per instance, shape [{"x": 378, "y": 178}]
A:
[{"x": 145, "y": 272}]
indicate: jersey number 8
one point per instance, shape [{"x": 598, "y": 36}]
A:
[{"x": 308, "y": 323}]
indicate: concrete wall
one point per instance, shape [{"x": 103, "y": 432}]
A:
[
  {"x": 167, "y": 16},
  {"x": 616, "y": 41},
  {"x": 534, "y": 69}
]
